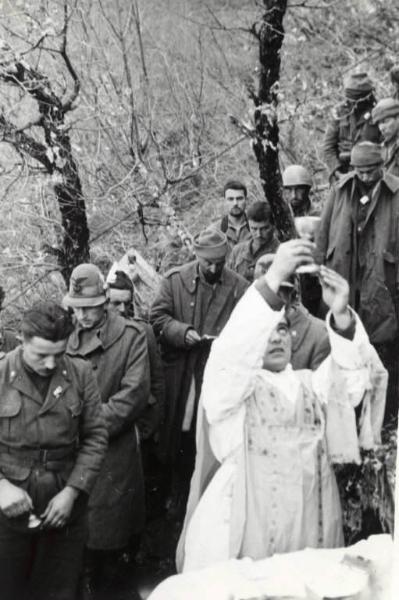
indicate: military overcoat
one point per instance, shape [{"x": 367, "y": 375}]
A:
[
  {"x": 172, "y": 314},
  {"x": 377, "y": 251},
  {"x": 119, "y": 357},
  {"x": 344, "y": 130},
  {"x": 391, "y": 157}
]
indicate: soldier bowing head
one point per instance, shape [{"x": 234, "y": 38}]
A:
[
  {"x": 210, "y": 248},
  {"x": 45, "y": 330},
  {"x": 86, "y": 296}
]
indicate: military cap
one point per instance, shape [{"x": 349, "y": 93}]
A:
[
  {"x": 86, "y": 287},
  {"x": 366, "y": 154},
  {"x": 360, "y": 83},
  {"x": 385, "y": 108},
  {"x": 210, "y": 244}
]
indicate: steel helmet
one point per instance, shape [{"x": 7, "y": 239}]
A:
[{"x": 296, "y": 175}]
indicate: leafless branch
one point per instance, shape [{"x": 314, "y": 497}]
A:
[{"x": 67, "y": 104}]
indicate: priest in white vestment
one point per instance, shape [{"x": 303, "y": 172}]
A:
[{"x": 275, "y": 432}]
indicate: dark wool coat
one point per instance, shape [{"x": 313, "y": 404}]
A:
[
  {"x": 68, "y": 417},
  {"x": 119, "y": 357},
  {"x": 378, "y": 251},
  {"x": 310, "y": 343},
  {"x": 391, "y": 157},
  {"x": 153, "y": 414},
  {"x": 172, "y": 314}
]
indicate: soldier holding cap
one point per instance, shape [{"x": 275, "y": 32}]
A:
[
  {"x": 53, "y": 441},
  {"x": 358, "y": 237},
  {"x": 351, "y": 123},
  {"x": 117, "y": 351},
  {"x": 193, "y": 304},
  {"x": 386, "y": 115}
]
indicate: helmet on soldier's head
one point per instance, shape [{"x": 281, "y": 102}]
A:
[
  {"x": 357, "y": 85},
  {"x": 86, "y": 287},
  {"x": 296, "y": 175}
]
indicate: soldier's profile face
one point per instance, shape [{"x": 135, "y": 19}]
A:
[
  {"x": 211, "y": 268},
  {"x": 42, "y": 355},
  {"x": 389, "y": 128},
  {"x": 89, "y": 316}
]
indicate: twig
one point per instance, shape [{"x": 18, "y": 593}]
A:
[{"x": 206, "y": 162}]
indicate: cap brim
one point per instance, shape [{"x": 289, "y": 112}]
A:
[
  {"x": 73, "y": 302},
  {"x": 374, "y": 164}
]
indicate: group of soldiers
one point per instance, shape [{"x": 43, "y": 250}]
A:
[{"x": 92, "y": 394}]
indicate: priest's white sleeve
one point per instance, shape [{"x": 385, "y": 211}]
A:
[{"x": 352, "y": 374}]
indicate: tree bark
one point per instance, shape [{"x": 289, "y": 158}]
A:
[
  {"x": 55, "y": 155},
  {"x": 270, "y": 33}
]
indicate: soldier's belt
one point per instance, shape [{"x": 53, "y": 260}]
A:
[{"x": 50, "y": 458}]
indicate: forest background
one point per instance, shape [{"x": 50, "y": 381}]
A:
[{"x": 149, "y": 92}]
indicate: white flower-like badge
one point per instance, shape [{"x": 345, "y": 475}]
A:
[{"x": 57, "y": 392}]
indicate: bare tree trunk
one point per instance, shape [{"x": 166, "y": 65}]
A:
[
  {"x": 52, "y": 147},
  {"x": 56, "y": 157},
  {"x": 75, "y": 247},
  {"x": 270, "y": 33}
]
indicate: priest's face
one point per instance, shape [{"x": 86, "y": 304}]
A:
[{"x": 278, "y": 350}]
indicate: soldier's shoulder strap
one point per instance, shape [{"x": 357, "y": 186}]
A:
[
  {"x": 137, "y": 324},
  {"x": 172, "y": 272},
  {"x": 224, "y": 223}
]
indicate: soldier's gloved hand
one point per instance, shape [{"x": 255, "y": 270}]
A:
[
  {"x": 13, "y": 500},
  {"x": 59, "y": 508},
  {"x": 192, "y": 337}
]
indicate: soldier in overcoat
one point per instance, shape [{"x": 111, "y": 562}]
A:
[
  {"x": 192, "y": 306},
  {"x": 358, "y": 238},
  {"x": 117, "y": 351},
  {"x": 350, "y": 123}
]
